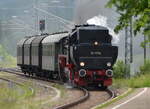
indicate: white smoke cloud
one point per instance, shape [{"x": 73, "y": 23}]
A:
[{"x": 102, "y": 21}]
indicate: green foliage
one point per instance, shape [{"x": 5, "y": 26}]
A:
[
  {"x": 138, "y": 81},
  {"x": 135, "y": 82},
  {"x": 6, "y": 59},
  {"x": 8, "y": 98},
  {"x": 119, "y": 69},
  {"x": 137, "y": 9},
  {"x": 145, "y": 69},
  {"x": 15, "y": 96}
]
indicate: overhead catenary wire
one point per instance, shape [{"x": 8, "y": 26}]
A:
[
  {"x": 65, "y": 26},
  {"x": 60, "y": 19},
  {"x": 57, "y": 7},
  {"x": 25, "y": 26},
  {"x": 19, "y": 22}
]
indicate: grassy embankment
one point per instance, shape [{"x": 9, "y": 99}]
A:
[
  {"x": 135, "y": 82},
  {"x": 15, "y": 96},
  {"x": 142, "y": 79}
]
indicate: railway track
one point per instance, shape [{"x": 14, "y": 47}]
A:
[
  {"x": 17, "y": 71},
  {"x": 8, "y": 80},
  {"x": 17, "y": 83},
  {"x": 73, "y": 103},
  {"x": 39, "y": 83},
  {"x": 82, "y": 99}
]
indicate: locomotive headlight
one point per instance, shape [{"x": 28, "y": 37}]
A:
[
  {"x": 109, "y": 64},
  {"x": 75, "y": 47},
  {"x": 109, "y": 73},
  {"x": 82, "y": 73},
  {"x": 82, "y": 64},
  {"x": 95, "y": 43}
]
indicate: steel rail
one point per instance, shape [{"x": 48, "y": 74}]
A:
[
  {"x": 77, "y": 101},
  {"x": 18, "y": 72},
  {"x": 112, "y": 95},
  {"x": 17, "y": 83}
]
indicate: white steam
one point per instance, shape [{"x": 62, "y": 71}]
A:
[{"x": 102, "y": 21}]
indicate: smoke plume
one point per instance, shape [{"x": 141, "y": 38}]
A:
[
  {"x": 86, "y": 9},
  {"x": 102, "y": 21}
]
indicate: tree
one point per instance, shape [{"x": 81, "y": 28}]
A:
[{"x": 137, "y": 9}]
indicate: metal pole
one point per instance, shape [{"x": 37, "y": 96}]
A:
[
  {"x": 126, "y": 75},
  {"x": 131, "y": 41},
  {"x": 36, "y": 16},
  {"x": 127, "y": 53},
  {"x": 126, "y": 45},
  {"x": 144, "y": 49}
]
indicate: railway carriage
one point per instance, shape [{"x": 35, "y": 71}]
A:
[
  {"x": 20, "y": 52},
  {"x": 85, "y": 56},
  {"x": 51, "y": 48},
  {"x": 27, "y": 55},
  {"x": 36, "y": 54}
]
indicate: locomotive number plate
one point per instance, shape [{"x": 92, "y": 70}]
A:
[{"x": 95, "y": 53}]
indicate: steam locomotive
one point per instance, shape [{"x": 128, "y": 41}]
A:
[{"x": 85, "y": 56}]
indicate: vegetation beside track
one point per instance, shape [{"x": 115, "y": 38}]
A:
[
  {"x": 6, "y": 60},
  {"x": 61, "y": 88},
  {"x": 138, "y": 81},
  {"x": 14, "y": 96},
  {"x": 134, "y": 82}
]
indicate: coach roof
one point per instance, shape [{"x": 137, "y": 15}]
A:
[
  {"x": 54, "y": 38},
  {"x": 38, "y": 39},
  {"x": 29, "y": 41},
  {"x": 20, "y": 43}
]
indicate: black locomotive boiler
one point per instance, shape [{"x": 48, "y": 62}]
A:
[{"x": 85, "y": 56}]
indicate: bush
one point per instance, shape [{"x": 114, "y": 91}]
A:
[
  {"x": 119, "y": 69},
  {"x": 145, "y": 69},
  {"x": 134, "y": 82}
]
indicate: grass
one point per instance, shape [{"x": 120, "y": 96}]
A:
[
  {"x": 61, "y": 88},
  {"x": 135, "y": 82},
  {"x": 11, "y": 62},
  {"x": 6, "y": 60},
  {"x": 10, "y": 98}
]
